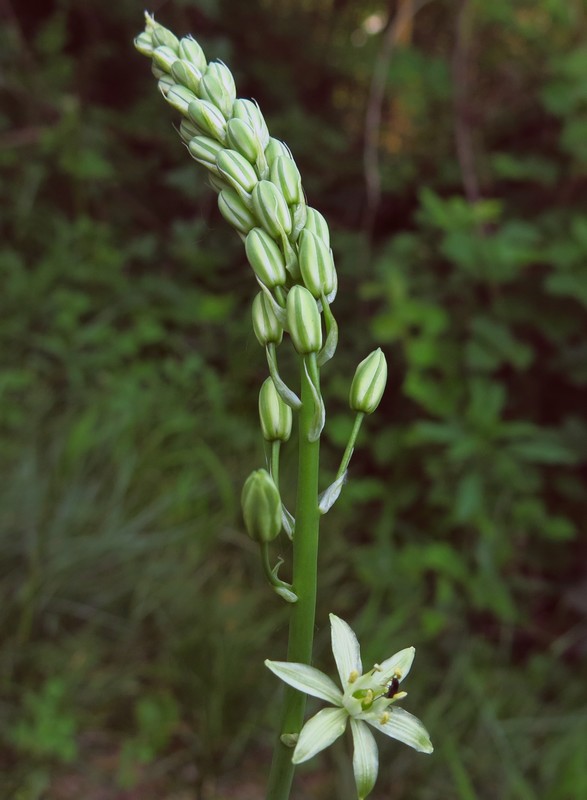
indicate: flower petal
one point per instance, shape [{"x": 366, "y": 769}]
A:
[
  {"x": 319, "y": 732},
  {"x": 307, "y": 679},
  {"x": 365, "y": 758},
  {"x": 399, "y": 662},
  {"x": 402, "y": 726},
  {"x": 345, "y": 648}
]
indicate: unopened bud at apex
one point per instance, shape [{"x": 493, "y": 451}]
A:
[
  {"x": 316, "y": 223},
  {"x": 208, "y": 118},
  {"x": 185, "y": 73},
  {"x": 303, "y": 320},
  {"x": 180, "y": 98},
  {"x": 267, "y": 327},
  {"x": 316, "y": 264},
  {"x": 271, "y": 209},
  {"x": 217, "y": 86},
  {"x": 235, "y": 211},
  {"x": 261, "y": 506},
  {"x": 274, "y": 414},
  {"x": 190, "y": 50},
  {"x": 265, "y": 258},
  {"x": 241, "y": 137},
  {"x": 286, "y": 176},
  {"x": 235, "y": 169},
  {"x": 369, "y": 383}
]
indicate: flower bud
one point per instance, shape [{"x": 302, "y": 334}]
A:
[
  {"x": 208, "y": 118},
  {"x": 217, "y": 86},
  {"x": 274, "y": 414},
  {"x": 286, "y": 176},
  {"x": 165, "y": 84},
  {"x": 275, "y": 148},
  {"x": 180, "y": 98},
  {"x": 261, "y": 506},
  {"x": 187, "y": 130},
  {"x": 205, "y": 150},
  {"x": 250, "y": 113},
  {"x": 188, "y": 75},
  {"x": 303, "y": 319},
  {"x": 316, "y": 264},
  {"x": 271, "y": 209},
  {"x": 161, "y": 37},
  {"x": 235, "y": 169},
  {"x": 316, "y": 223},
  {"x": 242, "y": 137},
  {"x": 190, "y": 50},
  {"x": 265, "y": 258},
  {"x": 369, "y": 383},
  {"x": 235, "y": 211},
  {"x": 217, "y": 183},
  {"x": 265, "y": 324},
  {"x": 164, "y": 58},
  {"x": 144, "y": 44}
]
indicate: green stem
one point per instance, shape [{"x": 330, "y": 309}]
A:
[
  {"x": 350, "y": 444},
  {"x": 305, "y": 564}
]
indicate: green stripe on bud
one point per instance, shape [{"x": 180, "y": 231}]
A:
[
  {"x": 276, "y": 149},
  {"x": 316, "y": 223},
  {"x": 217, "y": 86},
  {"x": 261, "y": 506},
  {"x": 271, "y": 208},
  {"x": 265, "y": 324},
  {"x": 286, "y": 176},
  {"x": 237, "y": 170},
  {"x": 187, "y": 130},
  {"x": 205, "y": 151},
  {"x": 162, "y": 37},
  {"x": 235, "y": 212},
  {"x": 191, "y": 51},
  {"x": 369, "y": 383},
  {"x": 208, "y": 118},
  {"x": 144, "y": 44},
  {"x": 274, "y": 414},
  {"x": 303, "y": 320},
  {"x": 250, "y": 113},
  {"x": 187, "y": 74},
  {"x": 180, "y": 98},
  {"x": 265, "y": 258},
  {"x": 242, "y": 137},
  {"x": 316, "y": 264},
  {"x": 164, "y": 58}
]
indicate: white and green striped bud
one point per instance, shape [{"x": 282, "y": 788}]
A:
[
  {"x": 235, "y": 212},
  {"x": 217, "y": 86},
  {"x": 190, "y": 50},
  {"x": 261, "y": 506},
  {"x": 303, "y": 320},
  {"x": 316, "y": 223},
  {"x": 144, "y": 44},
  {"x": 276, "y": 149},
  {"x": 188, "y": 75},
  {"x": 369, "y": 383},
  {"x": 241, "y": 137},
  {"x": 316, "y": 264},
  {"x": 162, "y": 37},
  {"x": 164, "y": 58},
  {"x": 187, "y": 130},
  {"x": 275, "y": 416},
  {"x": 218, "y": 183},
  {"x": 265, "y": 324},
  {"x": 265, "y": 258},
  {"x": 205, "y": 151},
  {"x": 208, "y": 118},
  {"x": 235, "y": 169},
  {"x": 271, "y": 208},
  {"x": 179, "y": 97},
  {"x": 250, "y": 113},
  {"x": 165, "y": 84},
  {"x": 286, "y": 176}
]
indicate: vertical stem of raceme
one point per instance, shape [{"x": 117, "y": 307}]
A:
[{"x": 305, "y": 563}]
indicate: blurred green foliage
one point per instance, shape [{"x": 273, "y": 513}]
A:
[{"x": 133, "y": 616}]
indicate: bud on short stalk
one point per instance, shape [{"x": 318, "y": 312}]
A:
[
  {"x": 286, "y": 176},
  {"x": 316, "y": 223},
  {"x": 316, "y": 264},
  {"x": 265, "y": 258},
  {"x": 188, "y": 75},
  {"x": 164, "y": 58},
  {"x": 250, "y": 113},
  {"x": 303, "y": 319},
  {"x": 235, "y": 212},
  {"x": 241, "y": 137},
  {"x": 208, "y": 118},
  {"x": 261, "y": 506},
  {"x": 190, "y": 50},
  {"x": 180, "y": 98},
  {"x": 271, "y": 208},
  {"x": 274, "y": 414},
  {"x": 369, "y": 383},
  {"x": 205, "y": 150},
  {"x": 217, "y": 86},
  {"x": 235, "y": 169},
  {"x": 265, "y": 324}
]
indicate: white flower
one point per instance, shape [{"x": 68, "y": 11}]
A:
[{"x": 365, "y": 698}]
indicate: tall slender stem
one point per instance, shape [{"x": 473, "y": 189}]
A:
[{"x": 305, "y": 564}]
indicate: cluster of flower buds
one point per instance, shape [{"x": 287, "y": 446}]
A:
[{"x": 259, "y": 189}]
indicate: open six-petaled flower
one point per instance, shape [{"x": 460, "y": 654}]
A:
[{"x": 365, "y": 698}]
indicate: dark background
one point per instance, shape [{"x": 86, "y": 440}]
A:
[{"x": 448, "y": 149}]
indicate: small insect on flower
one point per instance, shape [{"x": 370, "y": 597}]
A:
[{"x": 393, "y": 687}]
